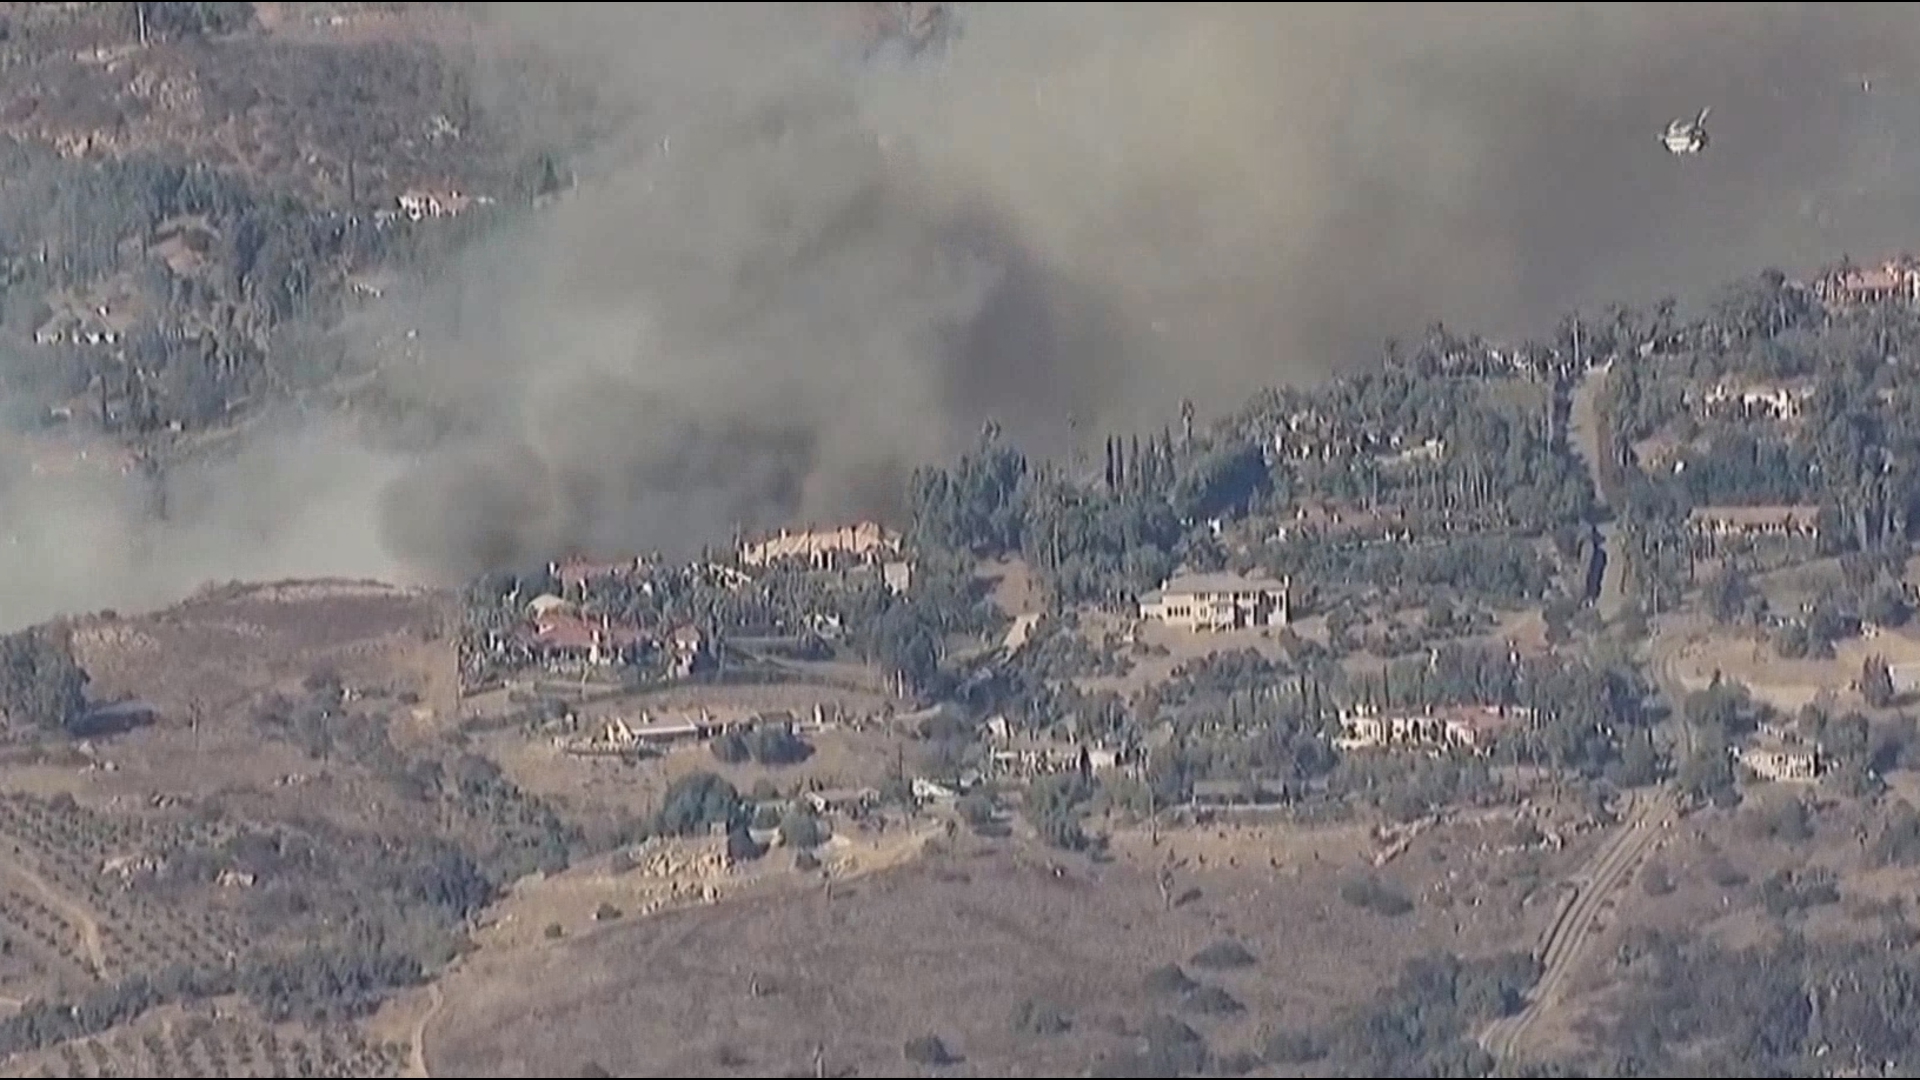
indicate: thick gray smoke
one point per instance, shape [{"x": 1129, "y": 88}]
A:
[{"x": 784, "y": 276}]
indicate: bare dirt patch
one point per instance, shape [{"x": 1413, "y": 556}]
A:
[
  {"x": 1166, "y": 649},
  {"x": 1748, "y": 658}
]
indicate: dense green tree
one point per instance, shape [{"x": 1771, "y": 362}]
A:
[{"x": 40, "y": 682}]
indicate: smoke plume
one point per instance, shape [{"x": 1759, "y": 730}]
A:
[{"x": 785, "y": 276}]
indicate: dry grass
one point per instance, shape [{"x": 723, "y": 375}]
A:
[
  {"x": 229, "y": 645},
  {"x": 1750, "y": 659},
  {"x": 617, "y": 787},
  {"x": 951, "y": 945},
  {"x": 1716, "y": 860}
]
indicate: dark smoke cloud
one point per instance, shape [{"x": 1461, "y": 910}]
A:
[
  {"x": 818, "y": 270},
  {"x": 786, "y": 277}
]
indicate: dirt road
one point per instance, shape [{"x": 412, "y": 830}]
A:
[
  {"x": 1562, "y": 945},
  {"x": 417, "y": 1043},
  {"x": 71, "y": 910}
]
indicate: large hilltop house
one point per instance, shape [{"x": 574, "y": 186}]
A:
[
  {"x": 1218, "y": 602},
  {"x": 1850, "y": 286},
  {"x": 1783, "y": 761},
  {"x": 862, "y": 544},
  {"x": 1716, "y": 529},
  {"x": 560, "y": 638}
]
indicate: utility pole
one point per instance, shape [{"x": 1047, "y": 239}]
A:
[{"x": 140, "y": 13}]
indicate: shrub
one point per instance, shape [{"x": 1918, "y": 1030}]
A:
[
  {"x": 1212, "y": 1001},
  {"x": 1724, "y": 874},
  {"x": 1370, "y": 893},
  {"x": 975, "y": 809},
  {"x": 1042, "y": 1018},
  {"x": 1223, "y": 954},
  {"x": 730, "y": 747},
  {"x": 1655, "y": 880},
  {"x": 741, "y": 846},
  {"x": 1290, "y": 1047},
  {"x": 802, "y": 829},
  {"x": 1168, "y": 981},
  {"x": 927, "y": 1050}
]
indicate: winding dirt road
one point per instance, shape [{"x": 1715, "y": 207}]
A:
[
  {"x": 417, "y": 1044},
  {"x": 1561, "y": 946}
]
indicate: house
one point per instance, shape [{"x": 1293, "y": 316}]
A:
[
  {"x": 1714, "y": 528},
  {"x": 423, "y": 202},
  {"x": 850, "y": 801},
  {"x": 824, "y": 549},
  {"x": 99, "y": 324},
  {"x": 1906, "y": 678},
  {"x": 1427, "y": 451},
  {"x": 898, "y": 575},
  {"x": 688, "y": 651},
  {"x": 575, "y": 575},
  {"x": 929, "y": 791},
  {"x": 648, "y": 734},
  {"x": 1781, "y": 761},
  {"x": 1478, "y": 727},
  {"x": 547, "y": 605},
  {"x": 1198, "y": 602},
  {"x": 1473, "y": 728},
  {"x": 1896, "y": 279},
  {"x": 568, "y": 639},
  {"x": 1780, "y": 402},
  {"x": 1027, "y": 756}
]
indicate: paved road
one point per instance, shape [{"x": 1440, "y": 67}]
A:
[
  {"x": 1561, "y": 947},
  {"x": 1584, "y": 427},
  {"x": 1646, "y": 817}
]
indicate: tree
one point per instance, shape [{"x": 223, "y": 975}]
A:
[
  {"x": 802, "y": 829},
  {"x": 696, "y": 801},
  {"x": 976, "y": 809},
  {"x": 908, "y": 647},
  {"x": 777, "y": 745},
  {"x": 1876, "y": 681},
  {"x": 730, "y": 747},
  {"x": 1053, "y": 807},
  {"x": 40, "y": 682},
  {"x": 1727, "y": 593}
]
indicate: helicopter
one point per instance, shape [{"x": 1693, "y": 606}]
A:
[
  {"x": 909, "y": 30},
  {"x": 1685, "y": 136}
]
